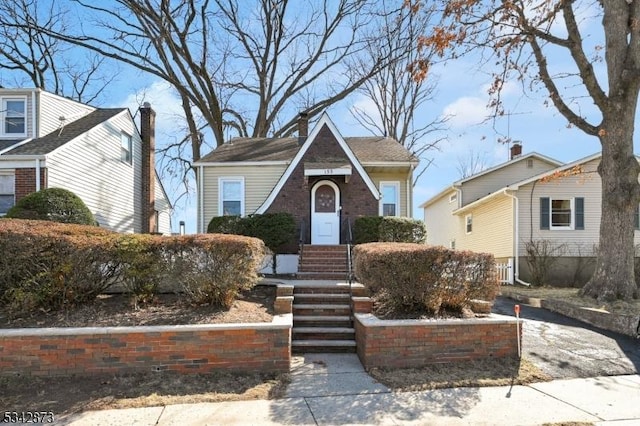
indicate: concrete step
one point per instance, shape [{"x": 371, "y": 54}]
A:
[
  {"x": 321, "y": 309},
  {"x": 322, "y": 276},
  {"x": 321, "y": 298},
  {"x": 323, "y": 333},
  {"x": 323, "y": 346},
  {"x": 305, "y": 321}
]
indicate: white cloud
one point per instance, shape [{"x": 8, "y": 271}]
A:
[{"x": 466, "y": 111}]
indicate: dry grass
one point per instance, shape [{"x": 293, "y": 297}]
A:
[
  {"x": 65, "y": 395},
  {"x": 490, "y": 372},
  {"x": 570, "y": 295}
]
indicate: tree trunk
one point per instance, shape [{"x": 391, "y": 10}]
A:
[{"x": 614, "y": 277}]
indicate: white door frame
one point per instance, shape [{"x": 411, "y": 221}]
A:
[{"x": 331, "y": 218}]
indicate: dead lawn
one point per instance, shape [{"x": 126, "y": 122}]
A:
[{"x": 570, "y": 295}]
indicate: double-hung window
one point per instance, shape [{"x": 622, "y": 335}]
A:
[
  {"x": 231, "y": 196},
  {"x": 126, "y": 146},
  {"x": 562, "y": 213},
  {"x": 468, "y": 223},
  {"x": 390, "y": 199},
  {"x": 14, "y": 116},
  {"x": 7, "y": 192}
]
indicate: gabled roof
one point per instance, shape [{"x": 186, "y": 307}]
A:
[
  {"x": 372, "y": 149},
  {"x": 515, "y": 186},
  {"x": 436, "y": 197},
  {"x": 508, "y": 163},
  {"x": 59, "y": 137},
  {"x": 324, "y": 121}
]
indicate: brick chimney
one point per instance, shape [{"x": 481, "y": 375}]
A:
[
  {"x": 303, "y": 127},
  {"x": 148, "y": 196},
  {"x": 516, "y": 150}
]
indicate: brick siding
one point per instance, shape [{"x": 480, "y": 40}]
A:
[
  {"x": 295, "y": 195},
  {"x": 25, "y": 181},
  {"x": 405, "y": 344},
  {"x": 187, "y": 349}
]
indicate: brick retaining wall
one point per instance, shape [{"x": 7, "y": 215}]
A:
[
  {"x": 187, "y": 348},
  {"x": 415, "y": 343}
]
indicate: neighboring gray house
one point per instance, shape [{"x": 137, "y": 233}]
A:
[
  {"x": 529, "y": 199},
  {"x": 48, "y": 141}
]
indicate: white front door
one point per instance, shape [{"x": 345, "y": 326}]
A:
[{"x": 325, "y": 213}]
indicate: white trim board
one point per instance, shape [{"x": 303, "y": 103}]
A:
[{"x": 324, "y": 120}]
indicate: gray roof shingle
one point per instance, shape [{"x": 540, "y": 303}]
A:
[
  {"x": 57, "y": 138},
  {"x": 366, "y": 149},
  {"x": 4, "y": 144}
]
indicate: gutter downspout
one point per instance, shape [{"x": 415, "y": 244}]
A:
[
  {"x": 200, "y": 179},
  {"x": 409, "y": 185},
  {"x": 516, "y": 241},
  {"x": 37, "y": 174}
]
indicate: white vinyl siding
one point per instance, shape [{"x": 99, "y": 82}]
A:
[
  {"x": 586, "y": 185},
  {"x": 163, "y": 208},
  {"x": 90, "y": 166},
  {"x": 399, "y": 177},
  {"x": 484, "y": 185},
  {"x": 259, "y": 181},
  {"x": 52, "y": 107},
  {"x": 440, "y": 222},
  {"x": 492, "y": 228}
]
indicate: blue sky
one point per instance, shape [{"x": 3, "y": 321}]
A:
[{"x": 461, "y": 95}]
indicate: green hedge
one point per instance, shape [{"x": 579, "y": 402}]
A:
[
  {"x": 52, "y": 266},
  {"x": 274, "y": 229},
  {"x": 370, "y": 229},
  {"x": 52, "y": 204},
  {"x": 419, "y": 278}
]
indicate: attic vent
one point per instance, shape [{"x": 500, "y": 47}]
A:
[{"x": 530, "y": 163}]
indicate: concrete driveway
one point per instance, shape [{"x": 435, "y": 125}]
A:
[{"x": 566, "y": 348}]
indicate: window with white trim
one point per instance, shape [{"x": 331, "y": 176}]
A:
[
  {"x": 126, "y": 146},
  {"x": 453, "y": 197},
  {"x": 14, "y": 116},
  {"x": 561, "y": 213},
  {"x": 452, "y": 244},
  {"x": 468, "y": 221},
  {"x": 231, "y": 196},
  {"x": 7, "y": 193},
  {"x": 390, "y": 199}
]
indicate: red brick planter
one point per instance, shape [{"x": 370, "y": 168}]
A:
[
  {"x": 187, "y": 348},
  {"x": 415, "y": 343}
]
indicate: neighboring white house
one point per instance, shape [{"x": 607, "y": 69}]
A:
[
  {"x": 48, "y": 141},
  {"x": 531, "y": 201}
]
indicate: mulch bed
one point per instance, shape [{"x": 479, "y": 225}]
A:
[{"x": 110, "y": 310}]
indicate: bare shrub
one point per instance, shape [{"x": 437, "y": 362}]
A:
[{"x": 541, "y": 255}]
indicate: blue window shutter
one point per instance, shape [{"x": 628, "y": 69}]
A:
[
  {"x": 544, "y": 213},
  {"x": 636, "y": 218},
  {"x": 579, "y": 205}
]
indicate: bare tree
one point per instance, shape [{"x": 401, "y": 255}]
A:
[
  {"x": 526, "y": 39},
  {"x": 400, "y": 89},
  {"x": 248, "y": 66},
  {"x": 34, "y": 58},
  {"x": 473, "y": 163}
]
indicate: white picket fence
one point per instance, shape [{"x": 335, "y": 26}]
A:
[{"x": 505, "y": 272}]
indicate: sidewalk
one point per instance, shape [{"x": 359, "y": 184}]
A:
[{"x": 334, "y": 389}]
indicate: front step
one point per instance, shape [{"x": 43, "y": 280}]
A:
[
  {"x": 323, "y": 262},
  {"x": 341, "y": 321},
  {"x": 323, "y": 346},
  {"x": 324, "y": 333},
  {"x": 319, "y": 309},
  {"x": 322, "y": 319}
]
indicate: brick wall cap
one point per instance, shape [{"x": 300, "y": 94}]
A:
[
  {"x": 279, "y": 322},
  {"x": 370, "y": 320}
]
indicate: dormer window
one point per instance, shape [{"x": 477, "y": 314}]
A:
[{"x": 14, "y": 116}]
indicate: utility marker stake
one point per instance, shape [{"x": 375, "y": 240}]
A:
[{"x": 516, "y": 308}]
